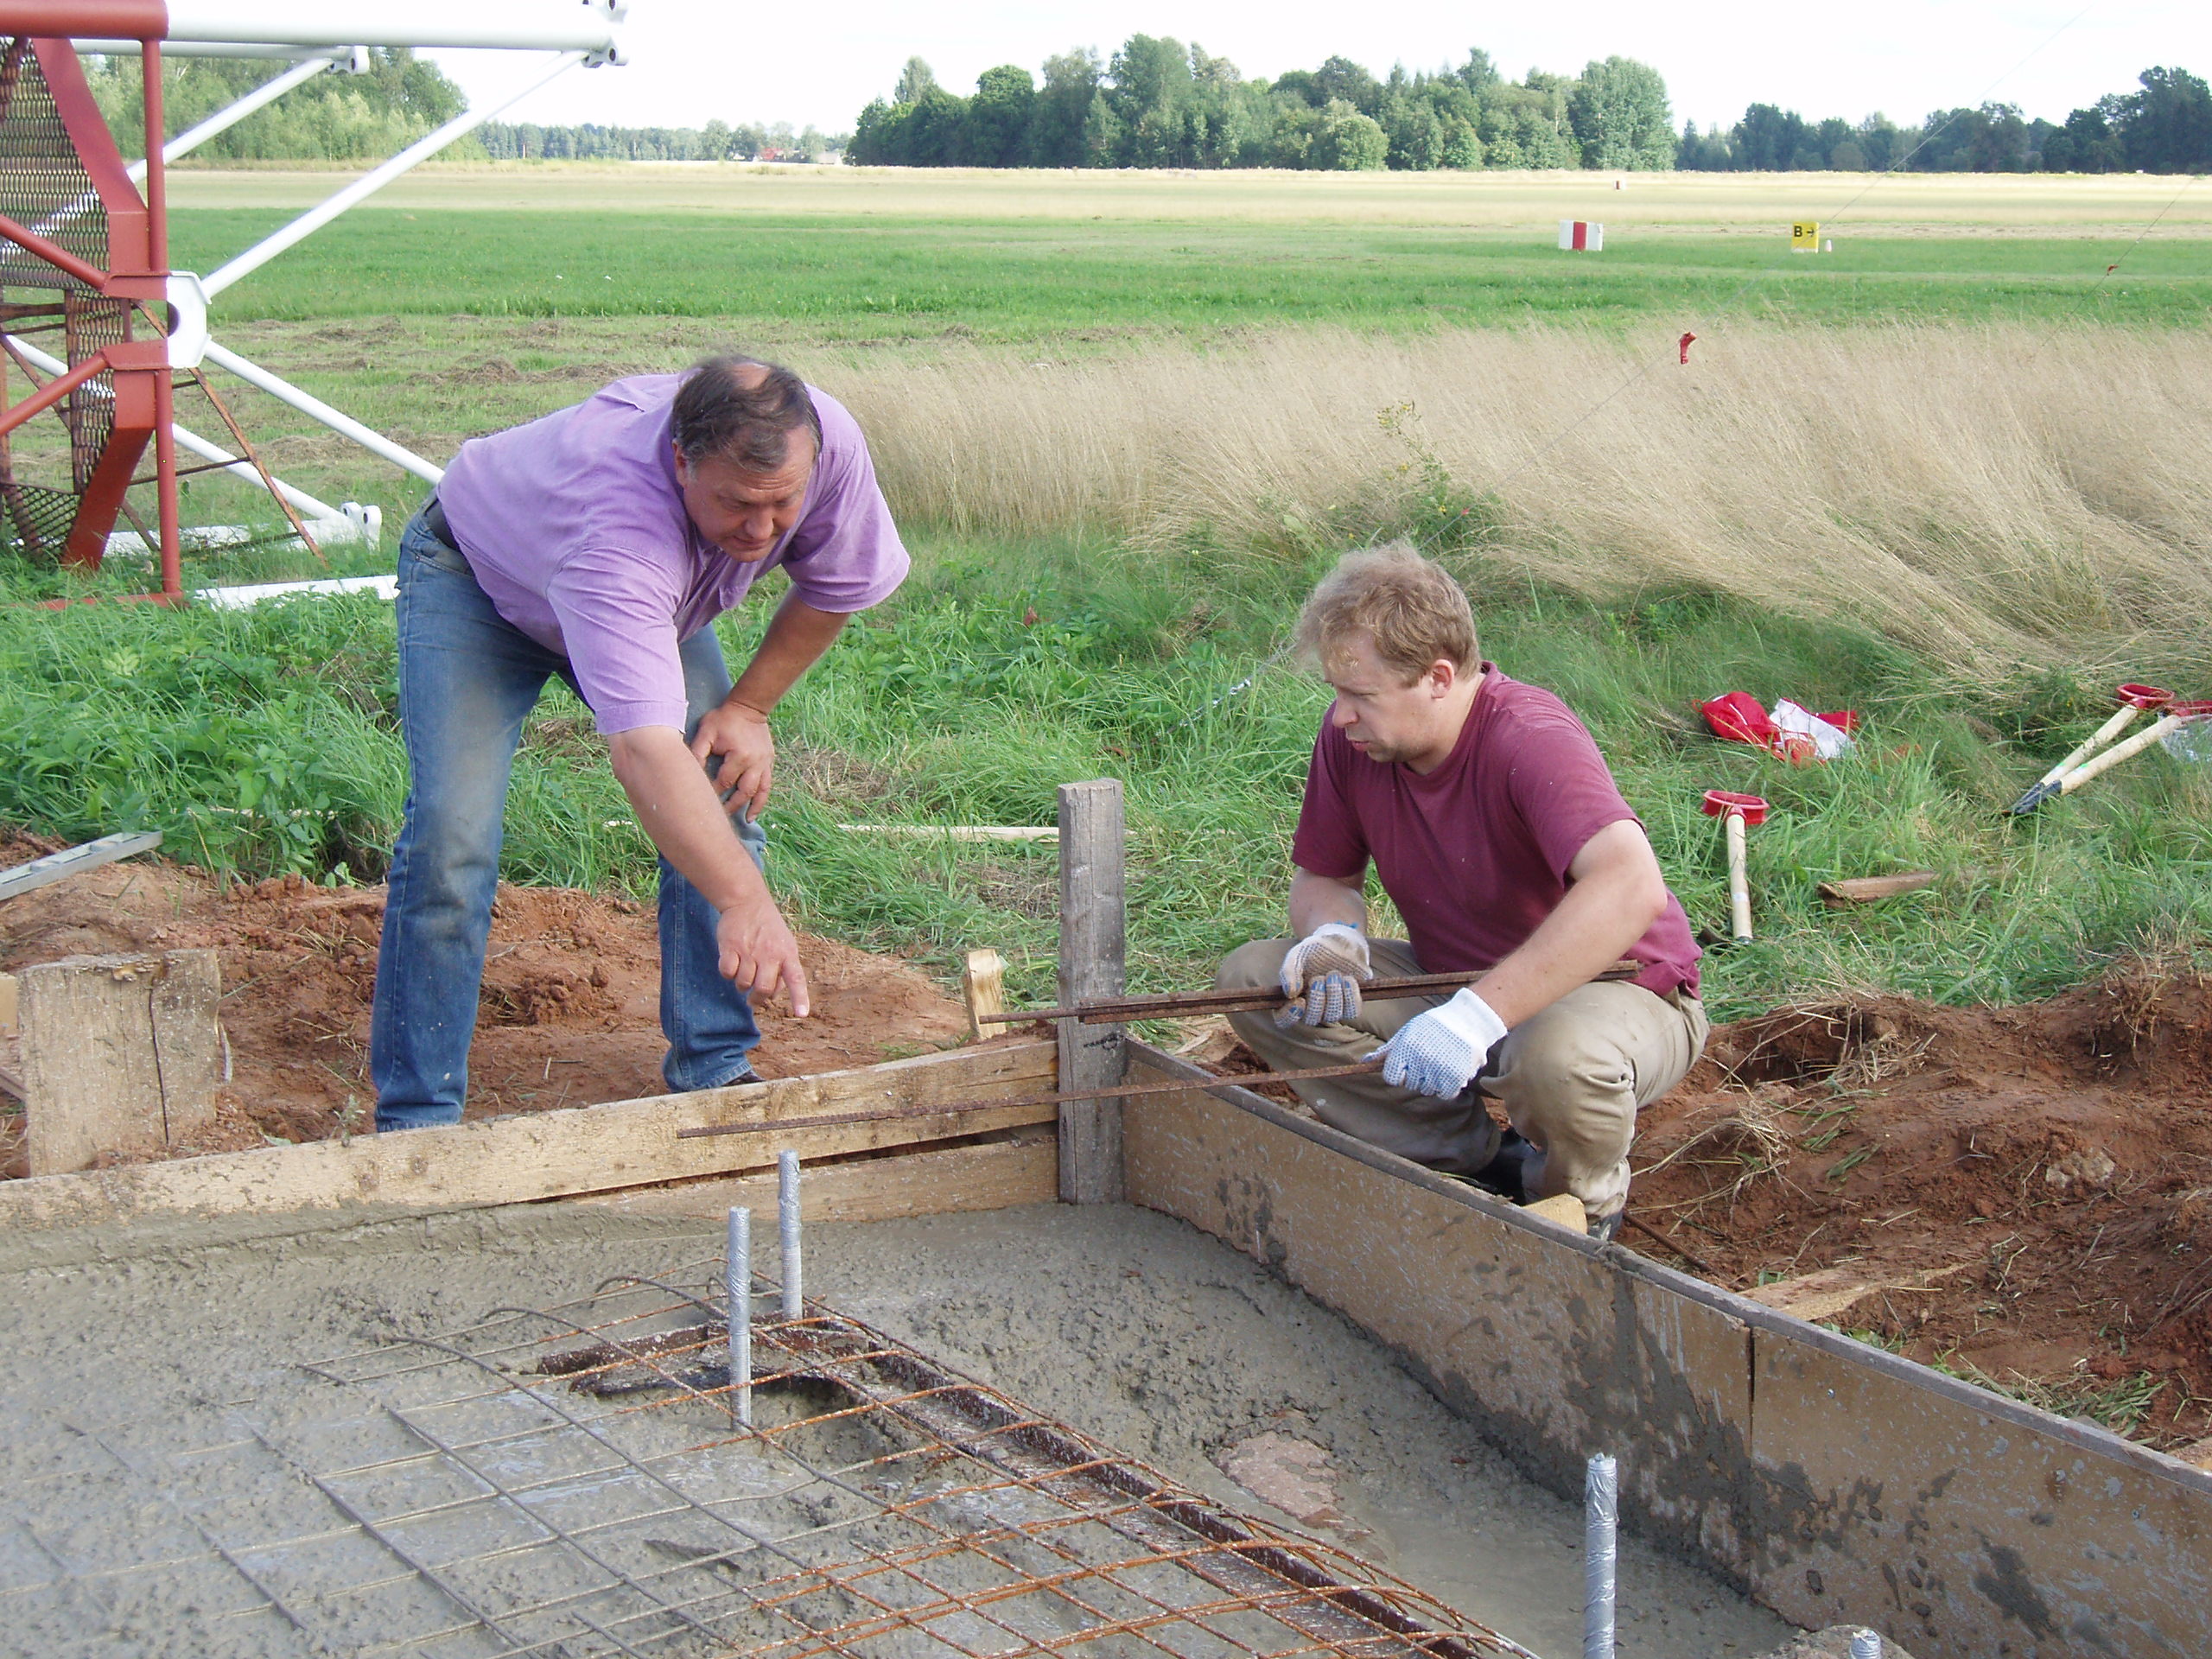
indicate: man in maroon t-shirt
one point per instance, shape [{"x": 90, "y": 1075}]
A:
[{"x": 1496, "y": 829}]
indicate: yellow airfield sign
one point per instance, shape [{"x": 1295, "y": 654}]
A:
[{"x": 1805, "y": 236}]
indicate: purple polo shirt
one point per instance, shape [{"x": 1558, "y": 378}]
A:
[{"x": 577, "y": 531}]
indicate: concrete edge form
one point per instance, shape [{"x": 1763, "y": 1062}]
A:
[
  {"x": 579, "y": 1149},
  {"x": 1836, "y": 1483}
]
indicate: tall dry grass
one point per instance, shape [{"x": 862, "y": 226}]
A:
[{"x": 1993, "y": 496}]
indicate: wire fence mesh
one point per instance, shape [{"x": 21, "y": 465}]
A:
[{"x": 574, "y": 1481}]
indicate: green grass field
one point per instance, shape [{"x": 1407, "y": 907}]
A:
[
  {"x": 264, "y": 741},
  {"x": 842, "y": 257}
]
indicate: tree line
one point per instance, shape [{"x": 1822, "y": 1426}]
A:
[
  {"x": 343, "y": 117},
  {"x": 337, "y": 117},
  {"x": 718, "y": 141},
  {"x": 2164, "y": 125},
  {"x": 1158, "y": 103}
]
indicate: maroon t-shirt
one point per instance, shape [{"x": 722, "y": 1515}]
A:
[{"x": 1475, "y": 854}]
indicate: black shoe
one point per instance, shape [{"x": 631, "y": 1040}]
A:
[{"x": 1502, "y": 1175}]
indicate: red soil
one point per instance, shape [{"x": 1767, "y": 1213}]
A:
[
  {"x": 2028, "y": 1191},
  {"x": 568, "y": 1014}
]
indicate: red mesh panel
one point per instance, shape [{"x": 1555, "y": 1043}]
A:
[{"x": 43, "y": 185}]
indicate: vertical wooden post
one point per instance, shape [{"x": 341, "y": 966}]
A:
[{"x": 1093, "y": 950}]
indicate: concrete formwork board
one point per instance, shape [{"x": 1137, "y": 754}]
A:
[{"x": 1836, "y": 1482}]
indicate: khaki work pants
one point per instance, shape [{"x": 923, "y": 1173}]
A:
[{"x": 1571, "y": 1078}]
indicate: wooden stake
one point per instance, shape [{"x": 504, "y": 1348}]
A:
[
  {"x": 117, "y": 1051},
  {"x": 1093, "y": 949},
  {"x": 982, "y": 986}
]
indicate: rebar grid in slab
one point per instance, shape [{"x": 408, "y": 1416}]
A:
[{"x": 568, "y": 1481}]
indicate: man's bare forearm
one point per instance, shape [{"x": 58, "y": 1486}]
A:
[
  {"x": 1317, "y": 899},
  {"x": 797, "y": 637},
  {"x": 676, "y": 806}
]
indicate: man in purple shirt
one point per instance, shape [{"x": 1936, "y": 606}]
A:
[
  {"x": 1496, "y": 828},
  {"x": 599, "y": 544}
]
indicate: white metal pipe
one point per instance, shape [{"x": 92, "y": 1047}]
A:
[
  {"x": 1600, "y": 1545},
  {"x": 308, "y": 507},
  {"x": 303, "y": 504},
  {"x": 268, "y": 92},
  {"x": 370, "y": 182},
  {"x": 787, "y": 1226},
  {"x": 106, "y": 48},
  {"x": 489, "y": 24},
  {"x": 737, "y": 1282},
  {"x": 345, "y": 425}
]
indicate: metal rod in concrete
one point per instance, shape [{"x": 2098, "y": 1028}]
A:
[
  {"x": 738, "y": 1281},
  {"x": 787, "y": 1226},
  {"x": 1600, "y": 1518}
]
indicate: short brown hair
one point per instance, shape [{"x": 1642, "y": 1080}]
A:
[
  {"x": 1408, "y": 606},
  {"x": 746, "y": 419}
]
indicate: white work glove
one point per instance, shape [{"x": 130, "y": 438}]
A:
[
  {"x": 1440, "y": 1052},
  {"x": 1321, "y": 976}
]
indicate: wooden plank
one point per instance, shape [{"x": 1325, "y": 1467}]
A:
[
  {"x": 1866, "y": 889},
  {"x": 11, "y": 1001},
  {"x": 75, "y": 860},
  {"x": 1837, "y": 1482},
  {"x": 118, "y": 1053},
  {"x": 982, "y": 988},
  {"x": 995, "y": 1175},
  {"x": 552, "y": 1155},
  {"x": 1093, "y": 947}
]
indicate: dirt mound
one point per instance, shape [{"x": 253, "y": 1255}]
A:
[
  {"x": 2022, "y": 1195},
  {"x": 569, "y": 1012}
]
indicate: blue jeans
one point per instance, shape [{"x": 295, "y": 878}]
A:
[{"x": 467, "y": 680}]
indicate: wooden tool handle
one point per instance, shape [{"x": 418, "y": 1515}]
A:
[
  {"x": 2095, "y": 741},
  {"x": 2120, "y": 752},
  {"x": 1740, "y": 886}
]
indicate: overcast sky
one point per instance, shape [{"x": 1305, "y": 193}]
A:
[{"x": 694, "y": 60}]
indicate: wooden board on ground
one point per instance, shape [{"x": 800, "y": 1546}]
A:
[
  {"x": 931, "y": 1181},
  {"x": 1870, "y": 889},
  {"x": 557, "y": 1153},
  {"x": 1839, "y": 1482}
]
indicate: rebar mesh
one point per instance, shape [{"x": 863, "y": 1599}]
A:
[{"x": 573, "y": 1482}]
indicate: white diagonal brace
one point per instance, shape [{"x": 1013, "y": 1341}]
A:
[
  {"x": 313, "y": 407},
  {"x": 370, "y": 182},
  {"x": 307, "y": 506},
  {"x": 224, "y": 119}
]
